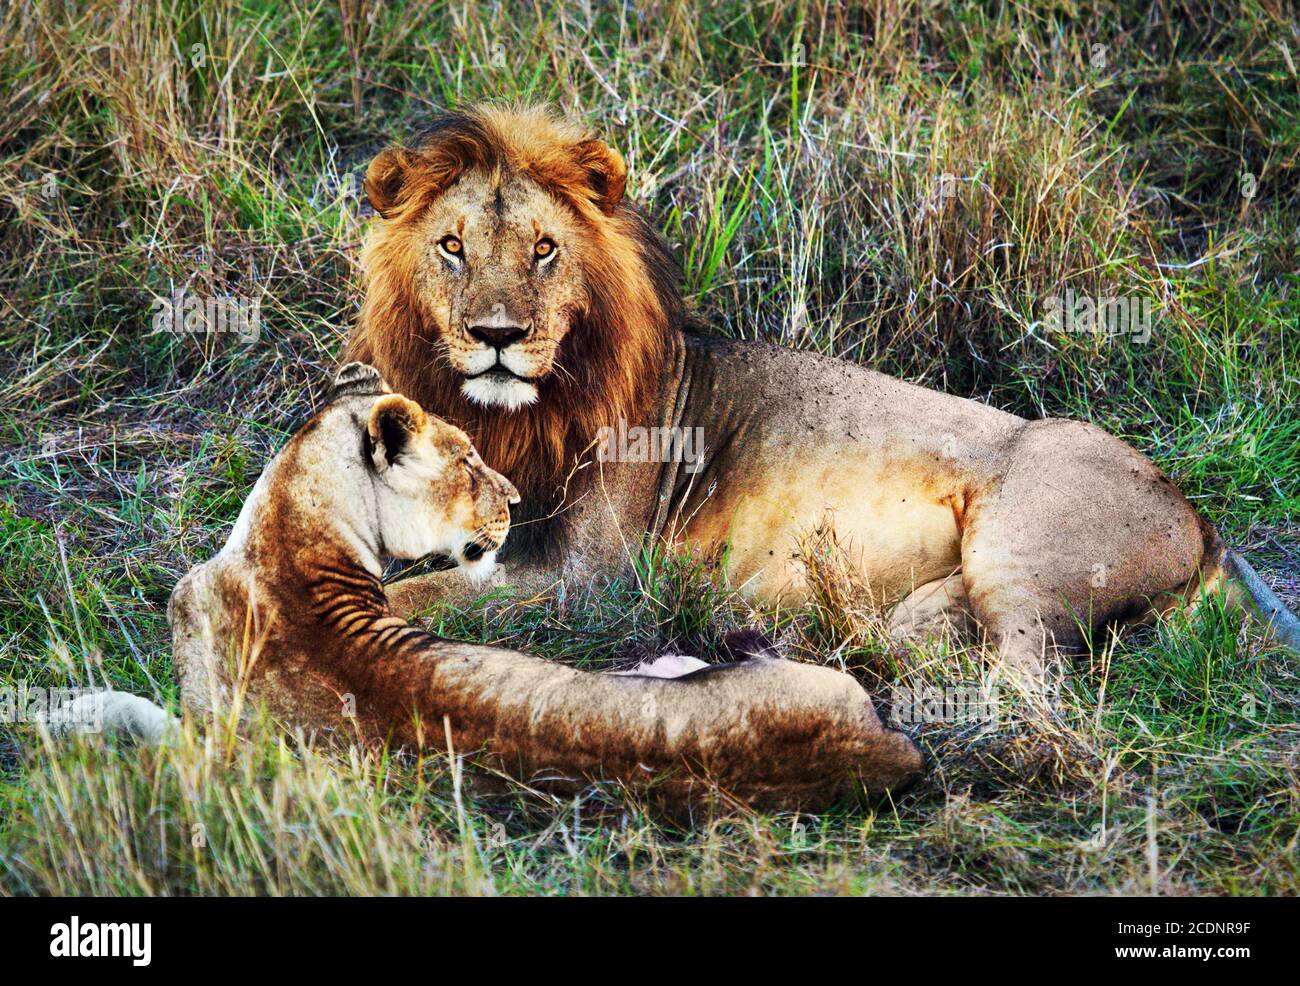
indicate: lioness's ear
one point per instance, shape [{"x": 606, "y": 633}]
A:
[
  {"x": 356, "y": 380},
  {"x": 394, "y": 422},
  {"x": 606, "y": 173}
]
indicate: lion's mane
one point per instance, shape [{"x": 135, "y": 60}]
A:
[{"x": 612, "y": 359}]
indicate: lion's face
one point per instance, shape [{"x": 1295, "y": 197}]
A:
[
  {"x": 512, "y": 289},
  {"x": 434, "y": 494},
  {"x": 498, "y": 272}
]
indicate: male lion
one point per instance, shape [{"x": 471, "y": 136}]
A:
[
  {"x": 290, "y": 614},
  {"x": 512, "y": 289}
]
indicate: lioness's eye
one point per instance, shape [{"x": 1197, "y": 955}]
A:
[
  {"x": 544, "y": 248},
  {"x": 451, "y": 245}
]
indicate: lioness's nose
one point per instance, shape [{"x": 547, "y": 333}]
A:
[{"x": 498, "y": 334}]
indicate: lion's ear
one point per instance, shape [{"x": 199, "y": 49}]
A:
[
  {"x": 388, "y": 183},
  {"x": 356, "y": 380},
  {"x": 606, "y": 173},
  {"x": 394, "y": 422}
]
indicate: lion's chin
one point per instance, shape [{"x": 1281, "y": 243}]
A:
[{"x": 498, "y": 390}]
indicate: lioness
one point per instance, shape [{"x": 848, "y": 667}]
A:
[
  {"x": 512, "y": 289},
  {"x": 291, "y": 613}
]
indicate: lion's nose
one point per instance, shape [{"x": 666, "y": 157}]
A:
[{"x": 498, "y": 335}]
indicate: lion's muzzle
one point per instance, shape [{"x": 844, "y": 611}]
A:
[{"x": 498, "y": 335}]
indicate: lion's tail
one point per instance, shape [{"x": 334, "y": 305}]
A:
[
  {"x": 1281, "y": 622},
  {"x": 1224, "y": 570},
  {"x": 111, "y": 713}
]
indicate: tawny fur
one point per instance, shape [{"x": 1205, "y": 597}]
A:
[
  {"x": 291, "y": 614},
  {"x": 953, "y": 512}
]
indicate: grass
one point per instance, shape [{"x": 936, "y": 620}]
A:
[{"x": 900, "y": 184}]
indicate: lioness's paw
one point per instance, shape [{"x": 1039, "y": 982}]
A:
[{"x": 357, "y": 380}]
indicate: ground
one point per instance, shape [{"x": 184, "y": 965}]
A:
[{"x": 908, "y": 186}]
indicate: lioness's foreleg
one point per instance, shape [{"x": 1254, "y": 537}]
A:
[{"x": 417, "y": 594}]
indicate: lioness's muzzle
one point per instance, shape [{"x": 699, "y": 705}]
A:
[{"x": 476, "y": 549}]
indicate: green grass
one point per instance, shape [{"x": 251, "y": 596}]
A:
[{"x": 904, "y": 186}]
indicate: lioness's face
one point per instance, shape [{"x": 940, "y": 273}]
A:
[
  {"x": 435, "y": 495},
  {"x": 498, "y": 273}
]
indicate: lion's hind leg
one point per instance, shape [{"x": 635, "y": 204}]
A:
[
  {"x": 1079, "y": 532},
  {"x": 942, "y": 609},
  {"x": 934, "y": 610}
]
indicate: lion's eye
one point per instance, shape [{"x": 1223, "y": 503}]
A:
[
  {"x": 451, "y": 246},
  {"x": 544, "y": 249}
]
